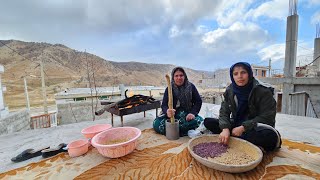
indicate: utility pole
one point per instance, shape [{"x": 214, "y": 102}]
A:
[
  {"x": 299, "y": 68},
  {"x": 45, "y": 106},
  {"x": 26, "y": 93},
  {"x": 270, "y": 67}
]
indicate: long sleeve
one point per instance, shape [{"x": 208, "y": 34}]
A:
[
  {"x": 164, "y": 105},
  {"x": 265, "y": 108},
  {"x": 224, "y": 115},
  {"x": 196, "y": 101}
]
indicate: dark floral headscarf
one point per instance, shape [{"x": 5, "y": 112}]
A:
[{"x": 182, "y": 93}]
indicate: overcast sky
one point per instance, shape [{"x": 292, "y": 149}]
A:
[{"x": 199, "y": 34}]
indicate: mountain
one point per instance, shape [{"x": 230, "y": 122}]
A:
[{"x": 65, "y": 68}]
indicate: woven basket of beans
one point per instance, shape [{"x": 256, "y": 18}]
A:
[{"x": 236, "y": 157}]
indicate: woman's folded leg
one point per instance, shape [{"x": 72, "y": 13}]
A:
[
  {"x": 213, "y": 125},
  {"x": 264, "y": 136},
  {"x": 185, "y": 126},
  {"x": 159, "y": 124}
]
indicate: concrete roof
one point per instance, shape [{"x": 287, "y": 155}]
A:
[
  {"x": 115, "y": 89},
  {"x": 137, "y": 88},
  {"x": 74, "y": 91},
  {"x": 295, "y": 128},
  {"x": 259, "y": 67},
  {"x": 85, "y": 92}
]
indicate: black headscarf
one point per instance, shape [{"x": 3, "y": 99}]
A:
[
  {"x": 183, "y": 93},
  {"x": 242, "y": 92}
]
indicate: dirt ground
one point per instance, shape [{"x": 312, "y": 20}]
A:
[{"x": 15, "y": 97}]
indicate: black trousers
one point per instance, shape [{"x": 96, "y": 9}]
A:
[{"x": 262, "y": 135}]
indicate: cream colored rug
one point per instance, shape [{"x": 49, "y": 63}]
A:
[{"x": 158, "y": 158}]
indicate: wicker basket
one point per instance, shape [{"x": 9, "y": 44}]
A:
[{"x": 236, "y": 144}]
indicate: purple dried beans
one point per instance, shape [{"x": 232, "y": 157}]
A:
[{"x": 211, "y": 149}]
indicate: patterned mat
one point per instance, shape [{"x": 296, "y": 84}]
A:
[{"x": 158, "y": 158}]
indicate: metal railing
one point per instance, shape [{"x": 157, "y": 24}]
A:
[{"x": 43, "y": 121}]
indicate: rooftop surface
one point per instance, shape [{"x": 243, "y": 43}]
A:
[{"x": 295, "y": 128}]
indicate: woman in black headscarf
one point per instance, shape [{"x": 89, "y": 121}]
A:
[
  {"x": 186, "y": 104},
  {"x": 252, "y": 108}
]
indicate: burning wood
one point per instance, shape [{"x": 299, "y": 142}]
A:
[
  {"x": 134, "y": 100},
  {"x": 127, "y": 103}
]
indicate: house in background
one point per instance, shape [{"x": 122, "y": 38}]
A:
[
  {"x": 221, "y": 77},
  {"x": 306, "y": 71},
  {"x": 259, "y": 71}
]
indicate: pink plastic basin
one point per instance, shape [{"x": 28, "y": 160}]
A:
[
  {"x": 91, "y": 131},
  {"x": 78, "y": 148},
  {"x": 114, "y": 135}
]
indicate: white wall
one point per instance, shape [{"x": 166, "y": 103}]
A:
[
  {"x": 1, "y": 96},
  {"x": 72, "y": 112},
  {"x": 14, "y": 122},
  {"x": 3, "y": 110}
]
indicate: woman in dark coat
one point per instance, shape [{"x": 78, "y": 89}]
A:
[
  {"x": 186, "y": 104},
  {"x": 252, "y": 108}
]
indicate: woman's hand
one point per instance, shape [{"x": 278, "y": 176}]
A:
[
  {"x": 190, "y": 117},
  {"x": 224, "y": 136},
  {"x": 238, "y": 131},
  {"x": 170, "y": 113}
]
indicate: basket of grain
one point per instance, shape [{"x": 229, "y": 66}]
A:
[
  {"x": 116, "y": 142},
  {"x": 238, "y": 156}
]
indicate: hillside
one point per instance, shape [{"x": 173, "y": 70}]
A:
[{"x": 65, "y": 68}]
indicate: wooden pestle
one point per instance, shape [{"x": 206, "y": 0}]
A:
[{"x": 170, "y": 102}]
